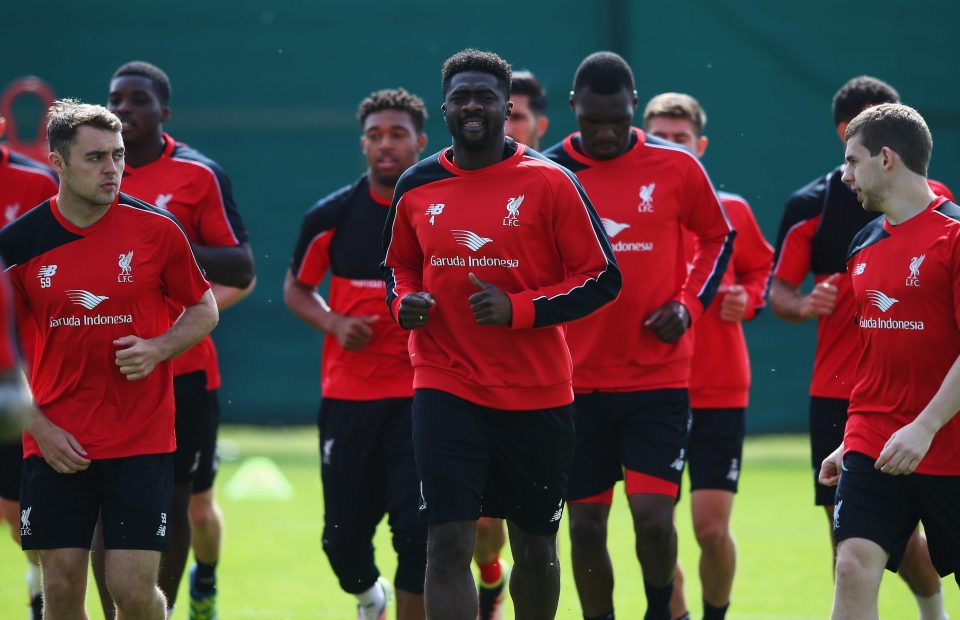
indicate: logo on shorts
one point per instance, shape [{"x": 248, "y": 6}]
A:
[
  {"x": 327, "y": 450},
  {"x": 162, "y": 530},
  {"x": 914, "y": 278},
  {"x": 558, "y": 514},
  {"x": 734, "y": 474},
  {"x": 836, "y": 515},
  {"x": 25, "y": 521},
  {"x": 434, "y": 210},
  {"x": 126, "y": 269},
  {"x": 513, "y": 211},
  {"x": 678, "y": 462},
  {"x": 646, "y": 198}
]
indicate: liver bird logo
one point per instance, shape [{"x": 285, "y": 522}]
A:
[
  {"x": 124, "y": 262},
  {"x": 646, "y": 195},
  {"x": 470, "y": 239},
  {"x": 915, "y": 265},
  {"x": 513, "y": 205}
]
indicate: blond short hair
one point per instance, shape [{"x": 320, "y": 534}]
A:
[{"x": 676, "y": 105}]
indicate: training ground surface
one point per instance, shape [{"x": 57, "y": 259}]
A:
[{"x": 274, "y": 567}]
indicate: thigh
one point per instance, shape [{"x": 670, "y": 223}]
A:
[
  {"x": 192, "y": 423},
  {"x": 352, "y": 465},
  {"x": 828, "y": 418},
  {"x": 137, "y": 492},
  {"x": 58, "y": 511},
  {"x": 452, "y": 454},
  {"x": 938, "y": 498},
  {"x": 655, "y": 431},
  {"x": 532, "y": 452},
  {"x": 597, "y": 464},
  {"x": 131, "y": 569},
  {"x": 208, "y": 463},
  {"x": 874, "y": 506},
  {"x": 11, "y": 468},
  {"x": 715, "y": 449}
]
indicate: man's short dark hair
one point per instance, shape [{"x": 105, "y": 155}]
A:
[
  {"x": 66, "y": 116},
  {"x": 860, "y": 93},
  {"x": 394, "y": 99},
  {"x": 156, "y": 75},
  {"x": 476, "y": 60},
  {"x": 525, "y": 83},
  {"x": 604, "y": 73},
  {"x": 897, "y": 127}
]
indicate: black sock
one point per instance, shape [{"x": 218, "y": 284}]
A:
[
  {"x": 714, "y": 613},
  {"x": 658, "y": 601},
  {"x": 608, "y": 616},
  {"x": 205, "y": 576}
]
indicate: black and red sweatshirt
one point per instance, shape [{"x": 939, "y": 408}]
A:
[{"x": 524, "y": 225}]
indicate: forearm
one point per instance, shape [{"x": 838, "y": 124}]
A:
[
  {"x": 194, "y": 323},
  {"x": 307, "y": 305},
  {"x": 227, "y": 265},
  {"x": 787, "y": 302},
  {"x": 945, "y": 403},
  {"x": 229, "y": 296}
]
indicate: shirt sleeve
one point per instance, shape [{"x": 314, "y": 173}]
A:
[
  {"x": 704, "y": 216},
  {"x": 218, "y": 220},
  {"x": 8, "y": 338},
  {"x": 593, "y": 277},
  {"x": 181, "y": 276},
  {"x": 311, "y": 255},
  {"x": 795, "y": 241},
  {"x": 403, "y": 263},
  {"x": 752, "y": 256}
]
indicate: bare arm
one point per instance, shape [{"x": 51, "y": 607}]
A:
[
  {"x": 137, "y": 357},
  {"x": 790, "y": 305},
  {"x": 353, "y": 332}
]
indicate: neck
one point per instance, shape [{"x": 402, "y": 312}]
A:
[
  {"x": 474, "y": 160},
  {"x": 78, "y": 210},
  {"x": 379, "y": 189},
  {"x": 146, "y": 151},
  {"x": 907, "y": 199}
]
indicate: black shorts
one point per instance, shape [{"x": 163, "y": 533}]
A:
[
  {"x": 715, "y": 449},
  {"x": 475, "y": 460},
  {"x": 885, "y": 509},
  {"x": 198, "y": 418},
  {"x": 133, "y": 495},
  {"x": 368, "y": 470},
  {"x": 643, "y": 432},
  {"x": 11, "y": 466},
  {"x": 828, "y": 418}
]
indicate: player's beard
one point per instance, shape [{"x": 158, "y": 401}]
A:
[{"x": 387, "y": 179}]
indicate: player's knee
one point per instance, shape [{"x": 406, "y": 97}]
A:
[
  {"x": 536, "y": 553},
  {"x": 133, "y": 599},
  {"x": 587, "y": 528},
  {"x": 714, "y": 534},
  {"x": 449, "y": 546},
  {"x": 61, "y": 590},
  {"x": 654, "y": 525},
  {"x": 203, "y": 511},
  {"x": 850, "y": 569}
]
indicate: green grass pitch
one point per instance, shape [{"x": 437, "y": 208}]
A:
[{"x": 273, "y": 565}]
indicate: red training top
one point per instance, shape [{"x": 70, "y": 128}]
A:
[
  {"x": 343, "y": 234},
  {"x": 524, "y": 225},
  {"x": 84, "y": 288},
  {"x": 906, "y": 284},
  {"x": 24, "y": 184},
  {"x": 720, "y": 372},
  {"x": 646, "y": 197},
  {"x": 197, "y": 191}
]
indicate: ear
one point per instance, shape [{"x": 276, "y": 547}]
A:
[
  {"x": 509, "y": 109},
  {"x": 842, "y": 130},
  {"x": 56, "y": 162},
  {"x": 443, "y": 109},
  {"x": 573, "y": 104},
  {"x": 887, "y": 157},
  {"x": 363, "y": 144},
  {"x": 421, "y": 142},
  {"x": 542, "y": 123},
  {"x": 635, "y": 100},
  {"x": 701, "y": 146},
  {"x": 165, "y": 114}
]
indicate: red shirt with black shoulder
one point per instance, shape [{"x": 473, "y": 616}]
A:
[
  {"x": 84, "y": 288},
  {"x": 906, "y": 286},
  {"x": 24, "y": 184},
  {"x": 720, "y": 371},
  {"x": 524, "y": 225},
  {"x": 646, "y": 197},
  {"x": 343, "y": 235},
  {"x": 199, "y": 194}
]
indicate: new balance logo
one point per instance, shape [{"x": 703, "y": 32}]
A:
[
  {"x": 558, "y": 514},
  {"x": 10, "y": 211},
  {"x": 734, "y": 474},
  {"x": 163, "y": 200},
  {"x": 25, "y": 521},
  {"x": 860, "y": 268},
  {"x": 45, "y": 274},
  {"x": 914, "y": 278},
  {"x": 513, "y": 211},
  {"x": 880, "y": 300},
  {"x": 679, "y": 461},
  {"x": 327, "y": 451},
  {"x": 162, "y": 530},
  {"x": 613, "y": 228},
  {"x": 470, "y": 239},
  {"x": 86, "y": 299},
  {"x": 434, "y": 210},
  {"x": 646, "y": 198}
]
